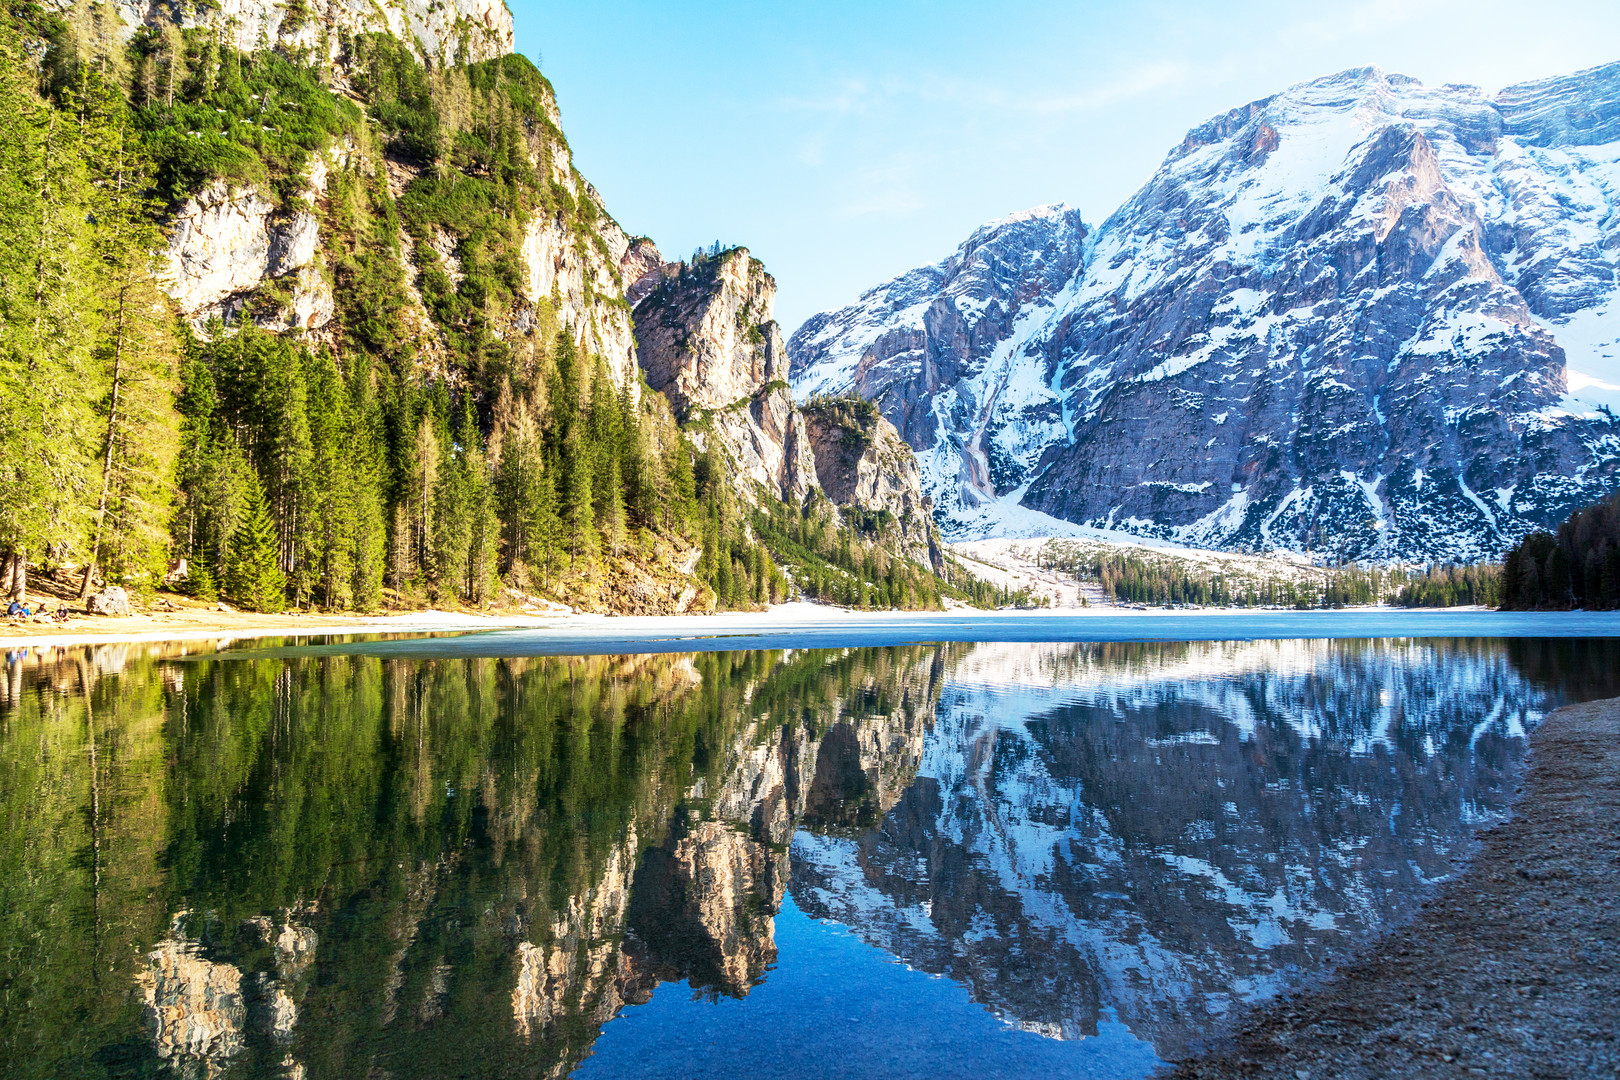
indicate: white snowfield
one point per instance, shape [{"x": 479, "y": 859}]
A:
[
  {"x": 1431, "y": 274},
  {"x": 1015, "y": 563}
]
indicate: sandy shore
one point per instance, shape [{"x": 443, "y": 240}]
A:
[
  {"x": 203, "y": 623},
  {"x": 1512, "y": 969}
]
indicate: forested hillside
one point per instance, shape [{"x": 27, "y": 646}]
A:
[
  {"x": 333, "y": 327},
  {"x": 1576, "y": 567}
]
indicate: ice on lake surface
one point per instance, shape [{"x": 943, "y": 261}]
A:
[{"x": 451, "y": 856}]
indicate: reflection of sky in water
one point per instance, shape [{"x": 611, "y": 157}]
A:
[
  {"x": 992, "y": 859},
  {"x": 837, "y": 1007},
  {"x": 1029, "y": 861}
]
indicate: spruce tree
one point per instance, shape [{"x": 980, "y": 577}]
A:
[
  {"x": 253, "y": 571},
  {"x": 369, "y": 541},
  {"x": 49, "y": 279},
  {"x": 135, "y": 353},
  {"x": 548, "y": 527},
  {"x": 577, "y": 510}
]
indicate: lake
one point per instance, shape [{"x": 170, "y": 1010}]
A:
[{"x": 763, "y": 853}]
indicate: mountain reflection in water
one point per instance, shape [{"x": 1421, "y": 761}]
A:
[{"x": 346, "y": 865}]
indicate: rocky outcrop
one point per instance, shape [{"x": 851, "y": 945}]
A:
[
  {"x": 460, "y": 31},
  {"x": 942, "y": 350},
  {"x": 1362, "y": 318},
  {"x": 862, "y": 462},
  {"x": 226, "y": 244},
  {"x": 707, "y": 339}
]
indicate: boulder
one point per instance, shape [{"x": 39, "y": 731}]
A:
[{"x": 109, "y": 601}]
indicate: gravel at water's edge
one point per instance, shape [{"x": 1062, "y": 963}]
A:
[{"x": 1512, "y": 969}]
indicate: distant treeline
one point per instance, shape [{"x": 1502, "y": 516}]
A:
[
  {"x": 1163, "y": 582},
  {"x": 1134, "y": 579},
  {"x": 1453, "y": 586},
  {"x": 1578, "y": 567}
]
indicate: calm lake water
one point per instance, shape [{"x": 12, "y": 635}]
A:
[{"x": 460, "y": 857}]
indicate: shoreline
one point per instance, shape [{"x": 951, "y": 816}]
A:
[
  {"x": 804, "y": 625},
  {"x": 1511, "y": 968},
  {"x": 234, "y": 626},
  {"x": 198, "y": 623}
]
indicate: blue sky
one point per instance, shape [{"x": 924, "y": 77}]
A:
[{"x": 846, "y": 142}]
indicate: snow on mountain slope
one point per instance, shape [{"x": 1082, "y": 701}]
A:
[
  {"x": 944, "y": 350},
  {"x": 1335, "y": 320}
]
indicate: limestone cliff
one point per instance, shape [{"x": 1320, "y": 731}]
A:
[
  {"x": 239, "y": 251},
  {"x": 862, "y": 462},
  {"x": 709, "y": 342},
  {"x": 458, "y": 31}
]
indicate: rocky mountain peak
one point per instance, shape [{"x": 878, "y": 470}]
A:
[
  {"x": 942, "y": 349},
  {"x": 707, "y": 339},
  {"x": 1335, "y": 319},
  {"x": 708, "y": 332}
]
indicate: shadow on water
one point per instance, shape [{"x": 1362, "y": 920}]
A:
[{"x": 329, "y": 863}]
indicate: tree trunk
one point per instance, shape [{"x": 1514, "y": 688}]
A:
[
  {"x": 112, "y": 420},
  {"x": 19, "y": 574}
]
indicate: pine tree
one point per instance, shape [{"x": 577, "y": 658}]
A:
[
  {"x": 577, "y": 510},
  {"x": 48, "y": 281},
  {"x": 253, "y": 571},
  {"x": 135, "y": 352}
]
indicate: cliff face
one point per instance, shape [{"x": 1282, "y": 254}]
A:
[
  {"x": 238, "y": 251},
  {"x": 862, "y": 462},
  {"x": 460, "y": 31},
  {"x": 1362, "y": 317},
  {"x": 708, "y": 341}
]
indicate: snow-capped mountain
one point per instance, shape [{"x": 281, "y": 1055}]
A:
[{"x": 1364, "y": 318}]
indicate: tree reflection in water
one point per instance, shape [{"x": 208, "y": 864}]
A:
[{"x": 351, "y": 865}]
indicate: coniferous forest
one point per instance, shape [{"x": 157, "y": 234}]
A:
[
  {"x": 379, "y": 463},
  {"x": 1576, "y": 567}
]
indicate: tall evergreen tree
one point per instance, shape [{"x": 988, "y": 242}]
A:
[{"x": 253, "y": 576}]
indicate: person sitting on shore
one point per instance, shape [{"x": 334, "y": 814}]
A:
[{"x": 18, "y": 609}]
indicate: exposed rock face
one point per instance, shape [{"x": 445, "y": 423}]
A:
[
  {"x": 575, "y": 277},
  {"x": 943, "y": 350},
  {"x": 708, "y": 341},
  {"x": 461, "y": 31},
  {"x": 229, "y": 249},
  {"x": 225, "y": 244},
  {"x": 861, "y": 461},
  {"x": 1335, "y": 320}
]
